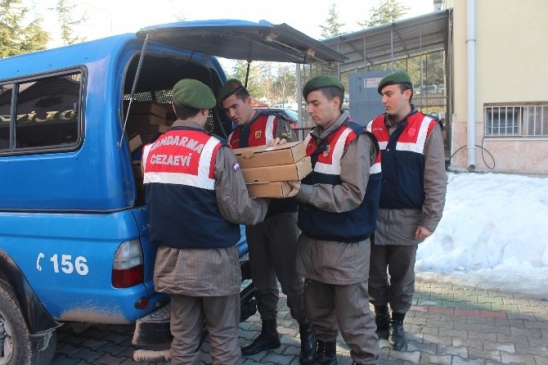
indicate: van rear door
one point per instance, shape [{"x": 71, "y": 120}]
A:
[{"x": 243, "y": 40}]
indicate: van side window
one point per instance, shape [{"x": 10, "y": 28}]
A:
[
  {"x": 46, "y": 115},
  {"x": 5, "y": 116}
]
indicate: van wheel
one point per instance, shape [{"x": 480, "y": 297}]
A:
[{"x": 15, "y": 345}]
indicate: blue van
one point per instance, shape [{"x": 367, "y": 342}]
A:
[{"x": 74, "y": 241}]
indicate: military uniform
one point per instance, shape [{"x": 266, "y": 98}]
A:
[
  {"x": 196, "y": 197},
  {"x": 273, "y": 242},
  {"x": 395, "y": 245},
  {"x": 336, "y": 272},
  {"x": 412, "y": 201}
]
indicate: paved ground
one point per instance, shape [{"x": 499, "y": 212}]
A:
[{"x": 448, "y": 324}]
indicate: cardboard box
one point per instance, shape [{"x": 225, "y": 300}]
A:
[
  {"x": 163, "y": 128},
  {"x": 278, "y": 189},
  {"x": 296, "y": 171},
  {"x": 152, "y": 108},
  {"x": 140, "y": 125},
  {"x": 260, "y": 156},
  {"x": 135, "y": 142},
  {"x": 148, "y": 119}
]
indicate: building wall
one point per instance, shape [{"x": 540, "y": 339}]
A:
[{"x": 511, "y": 61}]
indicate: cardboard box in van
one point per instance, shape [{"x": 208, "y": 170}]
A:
[
  {"x": 135, "y": 142},
  {"x": 152, "y": 108},
  {"x": 259, "y": 156}
]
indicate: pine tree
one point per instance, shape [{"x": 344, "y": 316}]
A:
[
  {"x": 333, "y": 27},
  {"x": 387, "y": 11},
  {"x": 65, "y": 11},
  {"x": 17, "y": 36}
]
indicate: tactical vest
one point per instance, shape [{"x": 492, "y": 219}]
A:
[
  {"x": 258, "y": 132},
  {"x": 402, "y": 160},
  {"x": 179, "y": 178},
  {"x": 352, "y": 226}
]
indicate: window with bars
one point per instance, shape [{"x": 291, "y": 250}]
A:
[{"x": 516, "y": 120}]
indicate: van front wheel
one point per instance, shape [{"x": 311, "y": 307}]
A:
[{"x": 15, "y": 345}]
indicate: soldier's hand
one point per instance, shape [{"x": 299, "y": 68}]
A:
[
  {"x": 422, "y": 233},
  {"x": 276, "y": 141},
  {"x": 295, "y": 187}
]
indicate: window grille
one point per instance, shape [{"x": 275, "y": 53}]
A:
[{"x": 525, "y": 120}]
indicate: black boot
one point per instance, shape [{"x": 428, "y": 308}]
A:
[
  {"x": 308, "y": 344},
  {"x": 382, "y": 320},
  {"x": 326, "y": 353},
  {"x": 268, "y": 339},
  {"x": 397, "y": 334}
]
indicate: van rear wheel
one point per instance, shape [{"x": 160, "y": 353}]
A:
[{"x": 15, "y": 345}]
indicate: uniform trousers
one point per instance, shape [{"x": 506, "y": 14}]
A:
[
  {"x": 272, "y": 257},
  {"x": 332, "y": 307},
  {"x": 397, "y": 284},
  {"x": 219, "y": 315}
]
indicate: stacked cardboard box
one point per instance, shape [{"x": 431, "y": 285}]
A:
[
  {"x": 267, "y": 170},
  {"x": 146, "y": 120}
]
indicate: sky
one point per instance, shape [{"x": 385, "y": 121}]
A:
[
  {"x": 107, "y": 17},
  {"x": 492, "y": 234}
]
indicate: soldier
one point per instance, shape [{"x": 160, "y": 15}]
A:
[
  {"x": 196, "y": 199},
  {"x": 411, "y": 204}
]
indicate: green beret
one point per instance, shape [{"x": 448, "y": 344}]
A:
[
  {"x": 229, "y": 88},
  {"x": 194, "y": 94},
  {"x": 398, "y": 77},
  {"x": 320, "y": 82}
]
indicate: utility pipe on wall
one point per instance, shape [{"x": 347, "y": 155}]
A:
[{"x": 471, "y": 85}]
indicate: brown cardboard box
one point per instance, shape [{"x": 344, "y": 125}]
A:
[
  {"x": 149, "y": 119},
  {"x": 140, "y": 124},
  {"x": 278, "y": 189},
  {"x": 295, "y": 171},
  {"x": 135, "y": 142},
  {"x": 260, "y": 156},
  {"x": 163, "y": 128},
  {"x": 153, "y": 108}
]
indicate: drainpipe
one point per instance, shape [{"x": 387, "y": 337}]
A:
[{"x": 471, "y": 84}]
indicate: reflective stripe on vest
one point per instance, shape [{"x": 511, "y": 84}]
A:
[
  {"x": 412, "y": 138},
  {"x": 179, "y": 164}
]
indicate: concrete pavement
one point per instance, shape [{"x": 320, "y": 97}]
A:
[{"x": 448, "y": 324}]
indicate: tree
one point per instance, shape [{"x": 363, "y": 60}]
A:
[
  {"x": 65, "y": 12},
  {"x": 285, "y": 84},
  {"x": 333, "y": 27},
  {"x": 387, "y": 11},
  {"x": 254, "y": 81},
  {"x": 17, "y": 36}
]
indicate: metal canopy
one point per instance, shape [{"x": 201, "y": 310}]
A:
[
  {"x": 244, "y": 40},
  {"x": 393, "y": 41}
]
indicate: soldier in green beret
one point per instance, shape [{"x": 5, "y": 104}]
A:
[
  {"x": 272, "y": 243},
  {"x": 337, "y": 213},
  {"x": 411, "y": 204},
  {"x": 194, "y": 191}
]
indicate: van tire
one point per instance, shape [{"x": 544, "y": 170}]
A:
[{"x": 17, "y": 347}]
